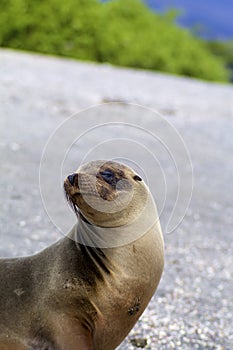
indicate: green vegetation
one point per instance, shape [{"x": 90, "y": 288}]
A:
[
  {"x": 224, "y": 50},
  {"x": 122, "y": 32}
]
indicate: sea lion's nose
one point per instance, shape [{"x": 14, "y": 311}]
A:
[{"x": 71, "y": 178}]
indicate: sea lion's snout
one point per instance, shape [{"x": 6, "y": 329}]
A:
[{"x": 71, "y": 178}]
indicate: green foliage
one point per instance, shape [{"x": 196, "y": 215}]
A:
[
  {"x": 50, "y": 26},
  {"x": 122, "y": 32},
  {"x": 134, "y": 36},
  {"x": 224, "y": 50}
]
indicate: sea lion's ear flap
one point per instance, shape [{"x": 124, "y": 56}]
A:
[{"x": 137, "y": 178}]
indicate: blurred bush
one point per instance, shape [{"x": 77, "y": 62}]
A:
[
  {"x": 224, "y": 50},
  {"x": 121, "y": 32}
]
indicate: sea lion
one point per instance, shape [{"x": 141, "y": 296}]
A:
[{"x": 86, "y": 291}]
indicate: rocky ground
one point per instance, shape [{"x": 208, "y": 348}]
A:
[{"x": 193, "y": 306}]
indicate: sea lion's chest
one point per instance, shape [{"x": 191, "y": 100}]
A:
[{"x": 125, "y": 293}]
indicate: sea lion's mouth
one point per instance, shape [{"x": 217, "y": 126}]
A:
[
  {"x": 74, "y": 195},
  {"x": 71, "y": 201}
]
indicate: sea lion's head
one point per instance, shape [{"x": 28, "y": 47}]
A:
[{"x": 106, "y": 193}]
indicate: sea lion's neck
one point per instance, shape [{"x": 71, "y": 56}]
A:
[
  {"x": 111, "y": 237},
  {"x": 91, "y": 235},
  {"x": 85, "y": 236}
]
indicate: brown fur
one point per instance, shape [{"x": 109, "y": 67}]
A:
[{"x": 77, "y": 297}]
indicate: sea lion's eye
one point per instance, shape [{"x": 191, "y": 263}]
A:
[
  {"x": 107, "y": 175},
  {"x": 137, "y": 178}
]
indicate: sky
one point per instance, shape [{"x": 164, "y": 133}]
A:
[{"x": 213, "y": 17}]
